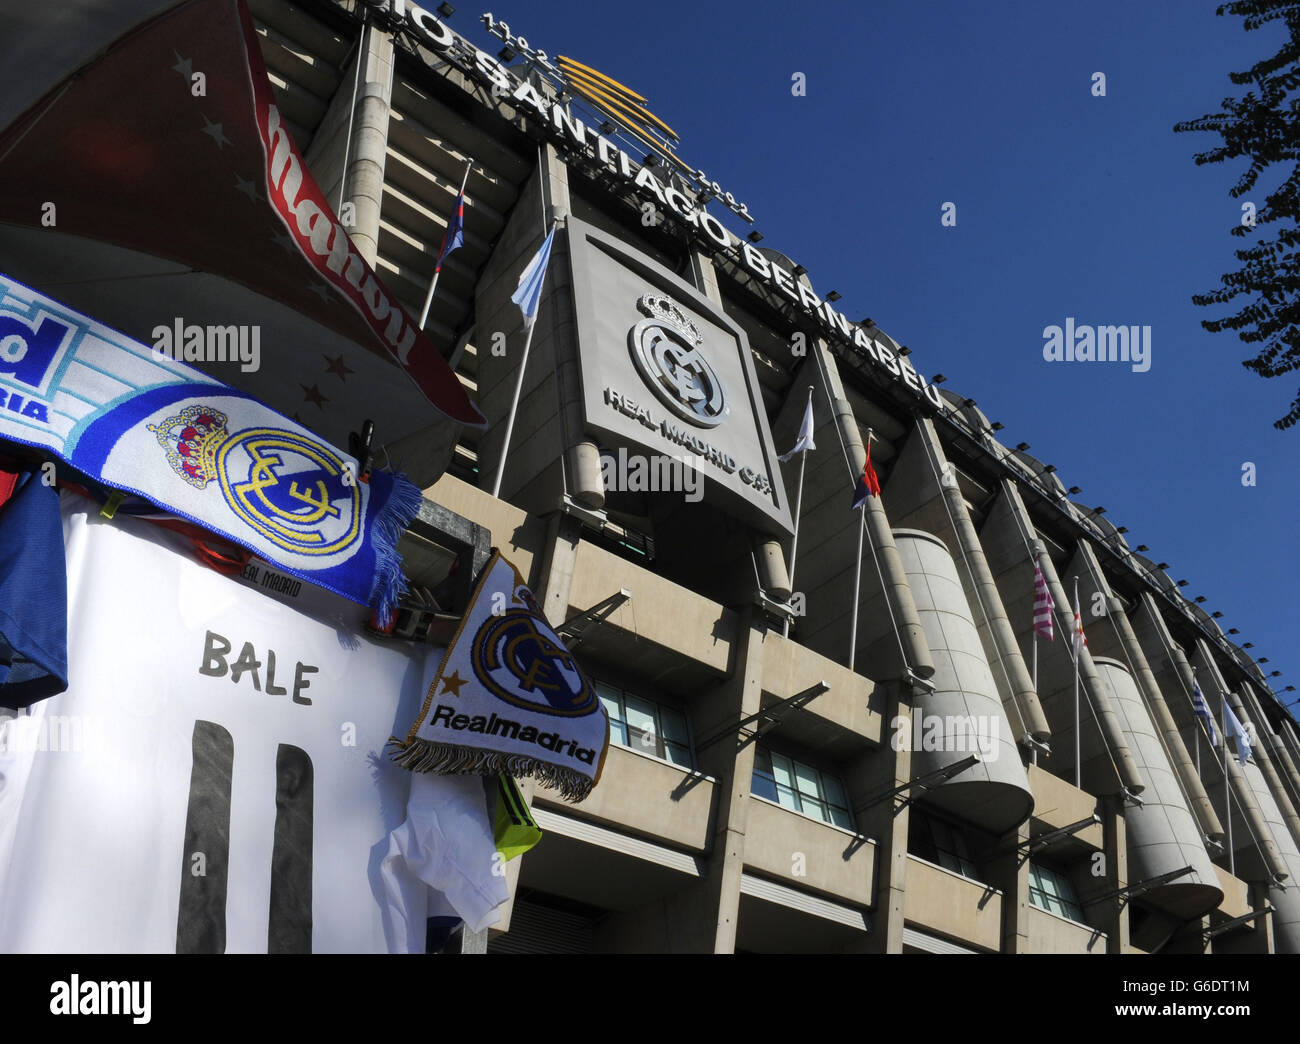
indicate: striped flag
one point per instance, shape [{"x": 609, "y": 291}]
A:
[
  {"x": 1202, "y": 710},
  {"x": 455, "y": 234},
  {"x": 1043, "y": 606},
  {"x": 1080, "y": 639}
]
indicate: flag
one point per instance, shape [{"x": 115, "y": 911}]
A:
[
  {"x": 455, "y": 234},
  {"x": 214, "y": 183},
  {"x": 528, "y": 294},
  {"x": 1202, "y": 710},
  {"x": 805, "y": 440},
  {"x": 868, "y": 485},
  {"x": 1080, "y": 639},
  {"x": 1233, "y": 728},
  {"x": 1043, "y": 606},
  {"x": 509, "y": 697}
]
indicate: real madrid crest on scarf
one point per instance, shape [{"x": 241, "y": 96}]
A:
[
  {"x": 509, "y": 697},
  {"x": 141, "y": 422}
]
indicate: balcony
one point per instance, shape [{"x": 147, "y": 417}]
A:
[
  {"x": 809, "y": 854},
  {"x": 641, "y": 794},
  {"x": 944, "y": 902},
  {"x": 1049, "y": 933},
  {"x": 674, "y": 636},
  {"x": 841, "y": 721}
]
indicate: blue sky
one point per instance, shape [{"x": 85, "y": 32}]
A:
[{"x": 1067, "y": 205}]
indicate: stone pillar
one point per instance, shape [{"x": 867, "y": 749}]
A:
[
  {"x": 1198, "y": 801},
  {"x": 368, "y": 148}
]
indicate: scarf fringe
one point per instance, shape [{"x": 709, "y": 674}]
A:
[
  {"x": 389, "y": 524},
  {"x": 447, "y": 759}
]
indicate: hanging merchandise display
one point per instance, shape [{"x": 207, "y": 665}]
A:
[{"x": 213, "y": 779}]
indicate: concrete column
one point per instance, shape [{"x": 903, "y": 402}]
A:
[
  {"x": 1012, "y": 546},
  {"x": 1265, "y": 761},
  {"x": 1198, "y": 801},
  {"x": 879, "y": 533},
  {"x": 1282, "y": 760},
  {"x": 1009, "y": 871},
  {"x": 368, "y": 148},
  {"x": 712, "y": 908},
  {"x": 887, "y": 823},
  {"x": 924, "y": 463},
  {"x": 1215, "y": 691},
  {"x": 1116, "y": 913},
  {"x": 1092, "y": 690}
]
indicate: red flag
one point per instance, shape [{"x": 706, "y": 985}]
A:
[
  {"x": 131, "y": 155},
  {"x": 868, "y": 485}
]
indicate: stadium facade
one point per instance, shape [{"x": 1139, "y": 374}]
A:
[{"x": 876, "y": 755}]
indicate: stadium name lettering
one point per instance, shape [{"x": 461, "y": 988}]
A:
[{"x": 435, "y": 36}]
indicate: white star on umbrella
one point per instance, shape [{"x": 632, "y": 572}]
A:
[
  {"x": 184, "y": 66},
  {"x": 214, "y": 131}
]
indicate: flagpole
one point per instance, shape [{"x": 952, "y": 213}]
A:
[
  {"x": 1227, "y": 790},
  {"x": 433, "y": 283},
  {"x": 514, "y": 403},
  {"x": 857, "y": 576},
  {"x": 857, "y": 583},
  {"x": 798, "y": 508},
  {"x": 1078, "y": 623}
]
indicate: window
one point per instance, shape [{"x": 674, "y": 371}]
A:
[
  {"x": 1051, "y": 890},
  {"x": 943, "y": 843},
  {"x": 646, "y": 726},
  {"x": 801, "y": 788}
]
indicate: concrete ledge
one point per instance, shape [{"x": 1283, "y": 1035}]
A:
[
  {"x": 952, "y": 905},
  {"x": 778, "y": 842},
  {"x": 1058, "y": 804},
  {"x": 1049, "y": 933},
  {"x": 646, "y": 796},
  {"x": 853, "y": 703}
]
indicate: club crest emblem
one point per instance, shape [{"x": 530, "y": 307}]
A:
[
  {"x": 666, "y": 350},
  {"x": 520, "y": 659},
  {"x": 296, "y": 492},
  {"x": 191, "y": 440}
]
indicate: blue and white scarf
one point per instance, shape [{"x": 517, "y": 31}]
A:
[{"x": 136, "y": 420}]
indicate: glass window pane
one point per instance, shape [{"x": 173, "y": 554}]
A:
[
  {"x": 610, "y": 701},
  {"x": 840, "y": 817},
  {"x": 833, "y": 791},
  {"x": 640, "y": 713},
  {"x": 674, "y": 725},
  {"x": 763, "y": 786},
  {"x": 807, "y": 780},
  {"x": 787, "y": 796},
  {"x": 762, "y": 761},
  {"x": 618, "y": 733},
  {"x": 678, "y": 754},
  {"x": 781, "y": 770}
]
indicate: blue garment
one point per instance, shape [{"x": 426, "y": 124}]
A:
[{"x": 33, "y": 596}]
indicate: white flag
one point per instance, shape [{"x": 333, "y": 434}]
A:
[
  {"x": 805, "y": 441},
  {"x": 1235, "y": 730}
]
